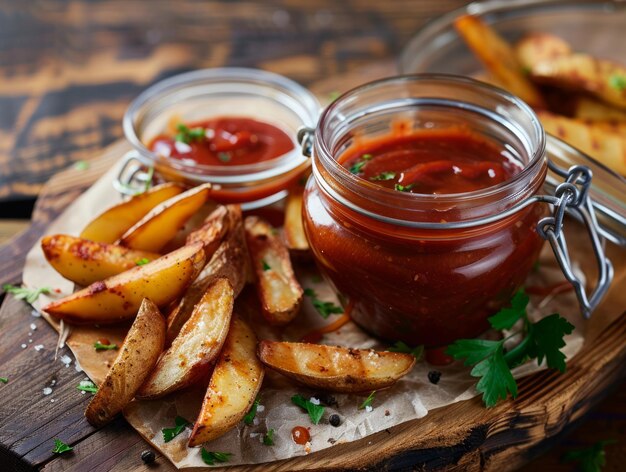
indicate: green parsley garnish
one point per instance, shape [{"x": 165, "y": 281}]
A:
[
  {"x": 591, "y": 459},
  {"x": 4, "y": 380},
  {"x": 149, "y": 176},
  {"x": 23, "y": 293},
  {"x": 87, "y": 386},
  {"x": 315, "y": 411},
  {"x": 492, "y": 363},
  {"x": 186, "y": 134},
  {"x": 325, "y": 309},
  {"x": 142, "y": 261},
  {"x": 266, "y": 266},
  {"x": 249, "y": 418},
  {"x": 81, "y": 165},
  {"x": 356, "y": 167},
  {"x": 367, "y": 157},
  {"x": 334, "y": 95},
  {"x": 104, "y": 347},
  {"x": 618, "y": 82},
  {"x": 171, "y": 433},
  {"x": 403, "y": 188},
  {"x": 368, "y": 401},
  {"x": 384, "y": 176},
  {"x": 268, "y": 438},
  {"x": 223, "y": 156},
  {"x": 399, "y": 346},
  {"x": 210, "y": 458},
  {"x": 60, "y": 447}
]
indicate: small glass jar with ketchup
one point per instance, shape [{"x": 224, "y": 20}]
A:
[
  {"x": 232, "y": 127},
  {"x": 424, "y": 207}
]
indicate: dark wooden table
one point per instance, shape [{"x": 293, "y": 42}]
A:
[{"x": 68, "y": 69}]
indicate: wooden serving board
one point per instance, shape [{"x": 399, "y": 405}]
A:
[{"x": 462, "y": 436}]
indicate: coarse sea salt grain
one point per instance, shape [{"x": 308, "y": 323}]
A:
[
  {"x": 23, "y": 346},
  {"x": 33, "y": 326},
  {"x": 368, "y": 408},
  {"x": 66, "y": 360},
  {"x": 35, "y": 313},
  {"x": 38, "y": 347},
  {"x": 255, "y": 421},
  {"x": 47, "y": 391},
  {"x": 77, "y": 366},
  {"x": 52, "y": 400},
  {"x": 260, "y": 409},
  {"x": 314, "y": 400}
]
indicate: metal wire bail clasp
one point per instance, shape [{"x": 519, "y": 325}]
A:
[
  {"x": 305, "y": 139},
  {"x": 572, "y": 196},
  {"x": 132, "y": 177}
]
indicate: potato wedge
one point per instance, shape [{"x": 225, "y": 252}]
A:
[
  {"x": 538, "y": 47},
  {"x": 197, "y": 345},
  {"x": 234, "y": 385},
  {"x": 230, "y": 260},
  {"x": 604, "y": 79},
  {"x": 295, "y": 238},
  {"x": 336, "y": 369},
  {"x": 605, "y": 146},
  {"x": 587, "y": 108},
  {"x": 137, "y": 357},
  {"x": 162, "y": 223},
  {"x": 109, "y": 226},
  {"x": 498, "y": 57},
  {"x": 279, "y": 291},
  {"x": 118, "y": 298},
  {"x": 85, "y": 262},
  {"x": 212, "y": 231}
]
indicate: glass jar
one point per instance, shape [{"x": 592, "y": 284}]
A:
[
  {"x": 220, "y": 92},
  {"x": 420, "y": 268}
]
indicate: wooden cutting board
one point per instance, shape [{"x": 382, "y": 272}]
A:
[{"x": 463, "y": 436}]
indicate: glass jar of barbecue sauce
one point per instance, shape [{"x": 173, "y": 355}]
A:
[{"x": 420, "y": 208}]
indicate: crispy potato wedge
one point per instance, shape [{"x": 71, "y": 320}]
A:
[
  {"x": 212, "y": 231},
  {"x": 109, "y": 226},
  {"x": 137, "y": 357},
  {"x": 279, "y": 291},
  {"x": 230, "y": 260},
  {"x": 162, "y": 223},
  {"x": 587, "y": 108},
  {"x": 603, "y": 145},
  {"x": 118, "y": 298},
  {"x": 193, "y": 351},
  {"x": 234, "y": 385},
  {"x": 538, "y": 47},
  {"x": 85, "y": 262},
  {"x": 295, "y": 238},
  {"x": 336, "y": 369},
  {"x": 498, "y": 57},
  {"x": 604, "y": 79}
]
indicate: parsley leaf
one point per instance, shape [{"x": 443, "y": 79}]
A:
[
  {"x": 325, "y": 309},
  {"x": 618, "y": 82},
  {"x": 496, "y": 380},
  {"x": 368, "y": 401},
  {"x": 210, "y": 458},
  {"x": 473, "y": 350},
  {"x": 591, "y": 459},
  {"x": 98, "y": 346},
  {"x": 357, "y": 167},
  {"x": 171, "y": 433},
  {"x": 403, "y": 188},
  {"x": 60, "y": 447},
  {"x": 268, "y": 438},
  {"x": 548, "y": 339},
  {"x": 266, "y": 266},
  {"x": 223, "y": 156},
  {"x": 186, "y": 134},
  {"x": 142, "y": 261},
  {"x": 315, "y": 411},
  {"x": 4, "y": 380},
  {"x": 367, "y": 157},
  {"x": 399, "y": 346},
  {"x": 81, "y": 165},
  {"x": 23, "y": 293},
  {"x": 507, "y": 317},
  {"x": 249, "y": 418},
  {"x": 87, "y": 386},
  {"x": 384, "y": 176},
  {"x": 334, "y": 95}
]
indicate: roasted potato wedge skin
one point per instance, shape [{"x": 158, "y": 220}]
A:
[
  {"x": 118, "y": 298},
  {"x": 336, "y": 369},
  {"x": 279, "y": 291},
  {"x": 197, "y": 345},
  {"x": 538, "y": 47},
  {"x": 498, "y": 57},
  {"x": 230, "y": 260},
  {"x": 162, "y": 223},
  {"x": 85, "y": 262},
  {"x": 295, "y": 238},
  {"x": 109, "y": 226},
  {"x": 591, "y": 109},
  {"x": 212, "y": 231},
  {"x": 234, "y": 385},
  {"x": 137, "y": 357}
]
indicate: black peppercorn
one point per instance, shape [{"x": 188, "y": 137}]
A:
[
  {"x": 148, "y": 457},
  {"x": 434, "y": 376},
  {"x": 334, "y": 420}
]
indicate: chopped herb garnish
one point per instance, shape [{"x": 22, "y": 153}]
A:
[
  {"x": 60, "y": 447},
  {"x": 4, "y": 380},
  {"x": 315, "y": 411},
  {"x": 492, "y": 363},
  {"x": 266, "y": 266},
  {"x": 210, "y": 458},
  {"x": 618, "y": 82},
  {"x": 591, "y": 459},
  {"x": 268, "y": 438},
  {"x": 399, "y": 346},
  {"x": 325, "y": 309},
  {"x": 249, "y": 418},
  {"x": 367, "y": 157},
  {"x": 223, "y": 156},
  {"x": 384, "y": 176},
  {"x": 403, "y": 188},
  {"x": 357, "y": 167},
  {"x": 334, "y": 95},
  {"x": 81, "y": 165},
  {"x": 104, "y": 347},
  {"x": 368, "y": 401},
  {"x": 23, "y": 293},
  {"x": 142, "y": 261},
  {"x": 171, "y": 433},
  {"x": 186, "y": 134},
  {"x": 149, "y": 176},
  {"x": 87, "y": 386},
  {"x": 526, "y": 70}
]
